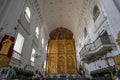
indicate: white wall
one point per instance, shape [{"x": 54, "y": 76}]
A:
[
  {"x": 111, "y": 25},
  {"x": 111, "y": 10},
  {"x": 13, "y": 10}
]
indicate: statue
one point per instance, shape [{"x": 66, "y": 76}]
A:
[{"x": 6, "y": 43}]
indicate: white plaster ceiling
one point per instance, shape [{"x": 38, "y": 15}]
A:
[{"x": 61, "y": 13}]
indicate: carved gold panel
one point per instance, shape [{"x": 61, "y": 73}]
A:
[
  {"x": 61, "y": 46},
  {"x": 61, "y": 64},
  {"x": 71, "y": 64},
  {"x": 64, "y": 60},
  {"x": 53, "y": 46},
  {"x": 70, "y": 46},
  {"x": 52, "y": 62},
  {"x": 117, "y": 61},
  {"x": 61, "y": 55}
]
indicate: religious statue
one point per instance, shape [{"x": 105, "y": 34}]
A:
[{"x": 6, "y": 43}]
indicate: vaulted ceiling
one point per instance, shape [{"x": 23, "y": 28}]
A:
[{"x": 61, "y": 13}]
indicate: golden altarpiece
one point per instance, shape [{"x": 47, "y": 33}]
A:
[{"x": 61, "y": 55}]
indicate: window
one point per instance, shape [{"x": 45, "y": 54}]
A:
[
  {"x": 46, "y": 48},
  {"x": 42, "y": 42},
  {"x": 96, "y": 12},
  {"x": 33, "y": 57},
  {"x": 44, "y": 65},
  {"x": 27, "y": 14},
  {"x": 37, "y": 32},
  {"x": 18, "y": 46}
]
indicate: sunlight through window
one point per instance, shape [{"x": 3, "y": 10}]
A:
[{"x": 27, "y": 14}]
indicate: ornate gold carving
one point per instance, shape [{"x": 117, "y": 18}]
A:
[
  {"x": 61, "y": 34},
  {"x": 61, "y": 64},
  {"x": 52, "y": 64},
  {"x": 117, "y": 61},
  {"x": 61, "y": 47},
  {"x": 62, "y": 61},
  {"x": 54, "y": 47},
  {"x": 70, "y": 47},
  {"x": 61, "y": 57},
  {"x": 4, "y": 61},
  {"x": 118, "y": 38},
  {"x": 70, "y": 62}
]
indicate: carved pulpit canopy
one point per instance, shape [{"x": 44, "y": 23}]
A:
[{"x": 118, "y": 38}]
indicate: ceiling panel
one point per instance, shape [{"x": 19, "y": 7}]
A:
[{"x": 61, "y": 13}]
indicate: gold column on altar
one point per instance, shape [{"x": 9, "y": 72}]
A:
[
  {"x": 117, "y": 58},
  {"x": 61, "y": 55}
]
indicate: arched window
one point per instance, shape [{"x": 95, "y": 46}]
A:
[
  {"x": 18, "y": 46},
  {"x": 37, "y": 32},
  {"x": 42, "y": 42},
  {"x": 33, "y": 57},
  {"x": 27, "y": 14},
  {"x": 96, "y": 12}
]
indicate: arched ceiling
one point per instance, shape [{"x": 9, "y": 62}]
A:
[{"x": 61, "y": 13}]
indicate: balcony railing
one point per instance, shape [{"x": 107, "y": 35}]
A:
[{"x": 99, "y": 47}]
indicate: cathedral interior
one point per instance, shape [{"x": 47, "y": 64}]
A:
[{"x": 59, "y": 39}]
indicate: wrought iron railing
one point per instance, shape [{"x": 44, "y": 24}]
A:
[{"x": 101, "y": 40}]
